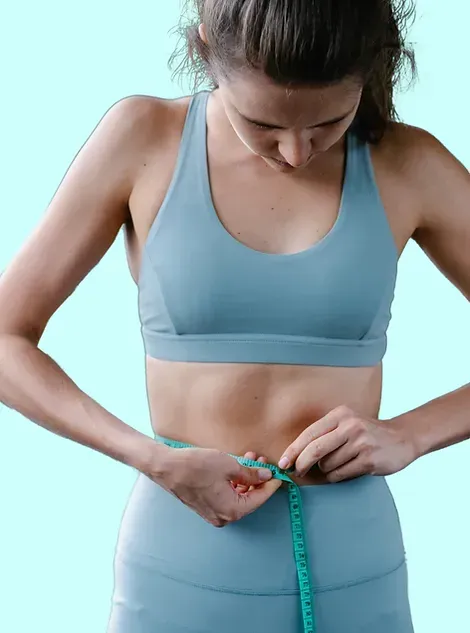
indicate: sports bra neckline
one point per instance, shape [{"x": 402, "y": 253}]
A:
[{"x": 230, "y": 239}]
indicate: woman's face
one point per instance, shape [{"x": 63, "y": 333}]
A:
[{"x": 288, "y": 127}]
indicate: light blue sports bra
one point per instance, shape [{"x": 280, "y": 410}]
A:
[{"x": 206, "y": 297}]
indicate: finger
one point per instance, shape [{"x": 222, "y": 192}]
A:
[
  {"x": 255, "y": 458},
  {"x": 250, "y": 476},
  {"x": 318, "y": 449},
  {"x": 241, "y": 489},
  {"x": 351, "y": 470},
  {"x": 319, "y": 428},
  {"x": 260, "y": 494},
  {"x": 338, "y": 457},
  {"x": 264, "y": 460}
]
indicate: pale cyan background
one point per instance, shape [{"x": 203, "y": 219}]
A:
[{"x": 63, "y": 66}]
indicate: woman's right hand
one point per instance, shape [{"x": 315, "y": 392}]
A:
[{"x": 214, "y": 484}]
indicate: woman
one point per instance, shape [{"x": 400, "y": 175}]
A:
[{"x": 264, "y": 220}]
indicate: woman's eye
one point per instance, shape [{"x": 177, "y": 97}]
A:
[{"x": 260, "y": 126}]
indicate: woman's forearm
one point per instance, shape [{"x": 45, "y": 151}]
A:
[
  {"x": 439, "y": 423},
  {"x": 33, "y": 384}
]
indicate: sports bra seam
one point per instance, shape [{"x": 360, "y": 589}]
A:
[
  {"x": 383, "y": 302},
  {"x": 373, "y": 191},
  {"x": 333, "y": 342},
  {"x": 184, "y": 148},
  {"x": 162, "y": 294},
  {"x": 378, "y": 198}
]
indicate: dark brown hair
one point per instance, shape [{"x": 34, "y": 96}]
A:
[{"x": 303, "y": 42}]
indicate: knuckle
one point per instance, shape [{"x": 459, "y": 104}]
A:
[
  {"x": 316, "y": 449},
  {"x": 310, "y": 433},
  {"x": 360, "y": 423},
  {"x": 353, "y": 425},
  {"x": 230, "y": 516},
  {"x": 344, "y": 411},
  {"x": 363, "y": 444}
]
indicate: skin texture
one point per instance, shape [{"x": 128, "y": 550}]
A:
[{"x": 120, "y": 178}]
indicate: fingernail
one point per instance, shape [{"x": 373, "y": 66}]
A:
[
  {"x": 284, "y": 463},
  {"x": 265, "y": 474}
]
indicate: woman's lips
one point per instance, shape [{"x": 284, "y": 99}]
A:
[{"x": 281, "y": 162}]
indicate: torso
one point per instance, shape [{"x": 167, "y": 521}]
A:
[{"x": 261, "y": 408}]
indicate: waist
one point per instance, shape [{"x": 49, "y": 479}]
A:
[{"x": 253, "y": 408}]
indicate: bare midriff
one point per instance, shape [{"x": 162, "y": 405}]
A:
[{"x": 238, "y": 408}]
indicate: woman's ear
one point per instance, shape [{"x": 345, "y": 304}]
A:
[{"x": 202, "y": 33}]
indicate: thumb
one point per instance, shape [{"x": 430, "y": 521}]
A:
[
  {"x": 253, "y": 499},
  {"x": 252, "y": 476}
]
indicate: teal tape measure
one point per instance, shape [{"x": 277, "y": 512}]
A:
[{"x": 297, "y": 525}]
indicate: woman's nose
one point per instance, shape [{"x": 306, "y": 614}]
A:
[{"x": 296, "y": 150}]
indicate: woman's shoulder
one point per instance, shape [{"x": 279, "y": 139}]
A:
[
  {"x": 438, "y": 183},
  {"x": 413, "y": 151},
  {"x": 414, "y": 158},
  {"x": 147, "y": 114},
  {"x": 416, "y": 174},
  {"x": 140, "y": 128}
]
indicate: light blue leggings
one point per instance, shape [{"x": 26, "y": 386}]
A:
[{"x": 176, "y": 573}]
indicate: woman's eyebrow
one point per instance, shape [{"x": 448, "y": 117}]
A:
[{"x": 280, "y": 127}]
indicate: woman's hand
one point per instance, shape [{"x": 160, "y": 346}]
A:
[
  {"x": 346, "y": 445},
  {"x": 213, "y": 484},
  {"x": 241, "y": 488}
]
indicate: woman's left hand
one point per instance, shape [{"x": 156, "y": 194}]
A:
[{"x": 347, "y": 445}]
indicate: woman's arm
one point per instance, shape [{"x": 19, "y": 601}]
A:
[
  {"x": 81, "y": 223},
  {"x": 443, "y": 232}
]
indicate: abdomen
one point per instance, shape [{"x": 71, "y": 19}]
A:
[{"x": 262, "y": 408}]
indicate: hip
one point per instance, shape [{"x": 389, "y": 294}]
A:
[{"x": 352, "y": 531}]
